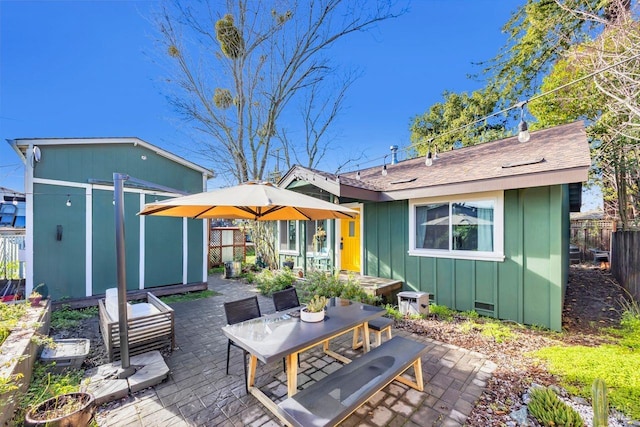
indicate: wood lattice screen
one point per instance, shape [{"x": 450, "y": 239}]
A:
[{"x": 226, "y": 244}]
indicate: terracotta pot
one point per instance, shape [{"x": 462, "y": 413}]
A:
[
  {"x": 46, "y": 413},
  {"x": 35, "y": 301},
  {"x": 308, "y": 316}
]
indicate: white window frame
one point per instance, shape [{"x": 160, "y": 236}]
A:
[
  {"x": 296, "y": 251},
  {"x": 497, "y": 197}
]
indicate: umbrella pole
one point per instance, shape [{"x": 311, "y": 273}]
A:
[{"x": 118, "y": 194}]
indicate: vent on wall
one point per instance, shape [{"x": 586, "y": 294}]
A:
[{"x": 484, "y": 306}]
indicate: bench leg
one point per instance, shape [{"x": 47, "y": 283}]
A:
[
  {"x": 357, "y": 342},
  {"x": 419, "y": 382}
]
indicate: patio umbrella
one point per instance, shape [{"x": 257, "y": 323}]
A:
[{"x": 251, "y": 200}]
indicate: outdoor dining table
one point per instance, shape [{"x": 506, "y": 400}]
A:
[{"x": 271, "y": 337}]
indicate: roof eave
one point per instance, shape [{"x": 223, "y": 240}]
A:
[{"x": 565, "y": 176}]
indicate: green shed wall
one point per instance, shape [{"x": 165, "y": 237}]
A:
[
  {"x": 527, "y": 287},
  {"x": 62, "y": 264}
]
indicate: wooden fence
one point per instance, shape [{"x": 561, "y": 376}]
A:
[
  {"x": 226, "y": 244},
  {"x": 625, "y": 260},
  {"x": 589, "y": 234}
]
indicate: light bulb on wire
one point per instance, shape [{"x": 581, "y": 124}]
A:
[{"x": 523, "y": 129}]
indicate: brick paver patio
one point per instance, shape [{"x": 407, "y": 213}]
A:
[{"x": 198, "y": 393}]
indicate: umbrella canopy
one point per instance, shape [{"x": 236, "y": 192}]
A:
[{"x": 251, "y": 200}]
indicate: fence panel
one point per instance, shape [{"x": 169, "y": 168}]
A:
[
  {"x": 589, "y": 234},
  {"x": 226, "y": 244},
  {"x": 11, "y": 266},
  {"x": 625, "y": 260}
]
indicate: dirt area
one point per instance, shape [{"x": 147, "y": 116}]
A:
[{"x": 592, "y": 302}]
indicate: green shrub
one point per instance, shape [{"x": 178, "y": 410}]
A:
[
  {"x": 270, "y": 281},
  {"x": 549, "y": 410},
  {"x": 441, "y": 312},
  {"x": 630, "y": 324}
]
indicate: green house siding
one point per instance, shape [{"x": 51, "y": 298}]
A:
[
  {"x": 78, "y": 169},
  {"x": 527, "y": 287}
]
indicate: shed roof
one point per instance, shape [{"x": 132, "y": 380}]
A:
[
  {"x": 558, "y": 155},
  {"x": 21, "y": 145}
]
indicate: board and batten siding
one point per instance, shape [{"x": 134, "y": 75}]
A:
[
  {"x": 527, "y": 287},
  {"x": 71, "y": 171}
]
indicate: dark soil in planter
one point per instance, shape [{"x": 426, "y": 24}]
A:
[{"x": 72, "y": 409}]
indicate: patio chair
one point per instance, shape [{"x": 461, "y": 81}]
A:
[
  {"x": 236, "y": 312},
  {"x": 286, "y": 299}
]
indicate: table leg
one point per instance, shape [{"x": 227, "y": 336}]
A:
[
  {"x": 251, "y": 374},
  {"x": 365, "y": 338},
  {"x": 292, "y": 374}
]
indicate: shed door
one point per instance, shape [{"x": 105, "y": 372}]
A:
[{"x": 350, "y": 243}]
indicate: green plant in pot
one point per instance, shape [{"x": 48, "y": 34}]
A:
[{"x": 314, "y": 310}]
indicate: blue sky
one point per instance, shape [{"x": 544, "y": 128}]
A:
[{"x": 84, "y": 69}]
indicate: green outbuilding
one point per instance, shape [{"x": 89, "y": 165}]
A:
[
  {"x": 482, "y": 228},
  {"x": 70, "y": 218}
]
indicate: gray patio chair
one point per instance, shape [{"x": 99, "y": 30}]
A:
[
  {"x": 285, "y": 299},
  {"x": 236, "y": 312}
]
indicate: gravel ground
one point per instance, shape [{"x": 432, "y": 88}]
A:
[{"x": 592, "y": 302}]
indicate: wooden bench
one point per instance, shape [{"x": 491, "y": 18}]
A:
[
  {"x": 333, "y": 398},
  {"x": 154, "y": 329}
]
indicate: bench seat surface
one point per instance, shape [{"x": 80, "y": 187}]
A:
[{"x": 334, "y": 397}]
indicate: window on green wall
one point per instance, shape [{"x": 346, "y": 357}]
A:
[
  {"x": 466, "y": 227},
  {"x": 288, "y": 236},
  {"x": 316, "y": 235}
]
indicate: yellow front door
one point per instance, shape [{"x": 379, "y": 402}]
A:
[{"x": 350, "y": 243}]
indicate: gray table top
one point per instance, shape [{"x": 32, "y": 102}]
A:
[{"x": 274, "y": 336}]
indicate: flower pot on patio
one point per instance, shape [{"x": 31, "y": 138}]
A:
[
  {"x": 311, "y": 316},
  {"x": 288, "y": 264},
  {"x": 66, "y": 410}
]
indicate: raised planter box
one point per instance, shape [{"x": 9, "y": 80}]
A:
[
  {"x": 18, "y": 354},
  {"x": 147, "y": 332}
]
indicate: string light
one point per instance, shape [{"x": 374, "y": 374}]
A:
[
  {"x": 68, "y": 200},
  {"x": 523, "y": 129},
  {"x": 15, "y": 200},
  {"x": 358, "y": 175}
]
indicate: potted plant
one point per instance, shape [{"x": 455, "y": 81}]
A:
[
  {"x": 314, "y": 310},
  {"x": 288, "y": 263},
  {"x": 70, "y": 409},
  {"x": 35, "y": 298}
]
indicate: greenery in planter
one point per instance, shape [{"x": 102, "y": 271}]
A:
[
  {"x": 270, "y": 281},
  {"x": 45, "y": 385},
  {"x": 330, "y": 285},
  {"x": 66, "y": 317},
  {"x": 9, "y": 316}
]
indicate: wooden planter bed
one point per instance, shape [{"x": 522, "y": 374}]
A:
[{"x": 151, "y": 327}]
